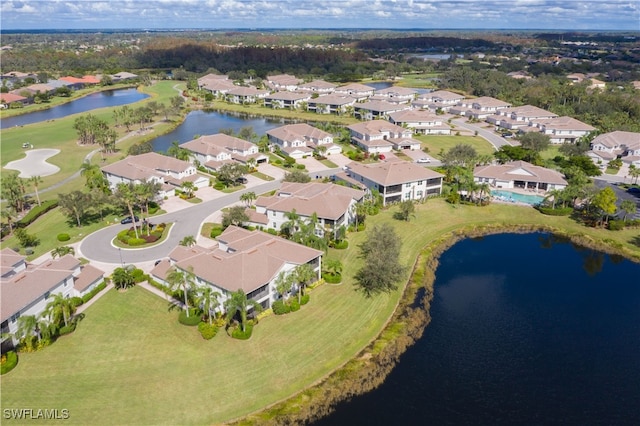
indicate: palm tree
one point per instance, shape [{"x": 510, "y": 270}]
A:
[
  {"x": 304, "y": 274},
  {"x": 60, "y": 307},
  {"x": 122, "y": 278},
  {"x": 188, "y": 188},
  {"x": 126, "y": 194},
  {"x": 35, "y": 181},
  {"x": 634, "y": 172},
  {"x": 62, "y": 251},
  {"x": 208, "y": 300},
  {"x": 27, "y": 326},
  {"x": 484, "y": 190},
  {"x": 188, "y": 241},
  {"x": 248, "y": 198},
  {"x": 239, "y": 304},
  {"x": 9, "y": 213},
  {"x": 555, "y": 195},
  {"x": 627, "y": 207},
  {"x": 252, "y": 163},
  {"x": 147, "y": 192},
  {"x": 284, "y": 283},
  {"x": 182, "y": 280},
  {"x": 333, "y": 266},
  {"x": 292, "y": 225}
]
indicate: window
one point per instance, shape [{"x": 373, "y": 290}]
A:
[
  {"x": 420, "y": 182},
  {"x": 407, "y": 185},
  {"x": 407, "y": 196},
  {"x": 274, "y": 225},
  {"x": 419, "y": 194}
]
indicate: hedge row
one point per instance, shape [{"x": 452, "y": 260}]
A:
[
  {"x": 555, "y": 212},
  {"x": 93, "y": 292},
  {"x": 9, "y": 362},
  {"x": 36, "y": 212}
]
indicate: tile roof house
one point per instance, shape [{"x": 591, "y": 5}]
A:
[
  {"x": 283, "y": 82},
  {"x": 333, "y": 205},
  {"x": 618, "y": 144},
  {"x": 563, "y": 129},
  {"x": 26, "y": 287},
  {"x": 289, "y": 100},
  {"x": 218, "y": 85},
  {"x": 395, "y": 94},
  {"x": 78, "y": 83},
  {"x": 170, "y": 172},
  {"x": 214, "y": 150},
  {"x": 441, "y": 99},
  {"x": 516, "y": 117},
  {"x": 479, "y": 108},
  {"x": 122, "y": 76},
  {"x": 395, "y": 181},
  {"x": 317, "y": 86},
  {"x": 519, "y": 174},
  {"x": 331, "y": 104},
  {"x": 380, "y": 136},
  {"x": 299, "y": 140},
  {"x": 245, "y": 95},
  {"x": 6, "y": 99},
  {"x": 371, "y": 110},
  {"x": 356, "y": 90},
  {"x": 420, "y": 121},
  {"x": 242, "y": 260}
]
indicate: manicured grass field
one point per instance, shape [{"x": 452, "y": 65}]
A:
[
  {"x": 131, "y": 362},
  {"x": 438, "y": 143}
]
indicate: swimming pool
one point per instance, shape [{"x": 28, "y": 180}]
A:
[{"x": 517, "y": 198}]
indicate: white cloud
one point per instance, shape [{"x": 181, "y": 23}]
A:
[{"x": 566, "y": 14}]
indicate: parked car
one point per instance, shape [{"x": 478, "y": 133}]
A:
[
  {"x": 128, "y": 220},
  {"x": 633, "y": 190},
  {"x": 242, "y": 180},
  {"x": 423, "y": 160},
  {"x": 381, "y": 156}
]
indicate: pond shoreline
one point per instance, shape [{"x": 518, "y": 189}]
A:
[{"x": 372, "y": 365}]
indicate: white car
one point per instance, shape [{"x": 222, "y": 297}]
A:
[{"x": 423, "y": 160}]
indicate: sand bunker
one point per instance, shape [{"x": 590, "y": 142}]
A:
[{"x": 35, "y": 163}]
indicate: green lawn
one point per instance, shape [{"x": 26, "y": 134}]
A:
[
  {"x": 131, "y": 359},
  {"x": 59, "y": 134},
  {"x": 437, "y": 143}
]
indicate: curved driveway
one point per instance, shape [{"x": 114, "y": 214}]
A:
[
  {"x": 98, "y": 247},
  {"x": 495, "y": 140}
]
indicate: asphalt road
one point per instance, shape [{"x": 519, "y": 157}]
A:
[
  {"x": 98, "y": 246},
  {"x": 495, "y": 140},
  {"x": 622, "y": 194}
]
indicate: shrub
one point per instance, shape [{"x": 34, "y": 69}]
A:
[
  {"x": 555, "y": 212},
  {"x": 123, "y": 236},
  {"x": 8, "y": 362},
  {"x": 138, "y": 275},
  {"x": 300, "y": 166},
  {"x": 304, "y": 299},
  {"x": 294, "y": 305},
  {"x": 151, "y": 238},
  {"x": 207, "y": 331},
  {"x": 192, "y": 320},
  {"x": 97, "y": 289},
  {"x": 238, "y": 334},
  {"x": 28, "y": 251},
  {"x": 63, "y": 237},
  {"x": 216, "y": 231},
  {"x": 280, "y": 308},
  {"x": 616, "y": 225},
  {"x": 67, "y": 329},
  {"x": 36, "y": 212},
  {"x": 341, "y": 245},
  {"x": 153, "y": 207},
  {"x": 219, "y": 186},
  {"x": 136, "y": 241},
  {"x": 332, "y": 278},
  {"x": 76, "y": 301}
]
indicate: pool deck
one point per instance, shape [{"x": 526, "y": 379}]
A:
[{"x": 520, "y": 191}]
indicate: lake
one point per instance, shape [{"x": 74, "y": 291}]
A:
[
  {"x": 108, "y": 98},
  {"x": 525, "y": 329},
  {"x": 209, "y": 123}
]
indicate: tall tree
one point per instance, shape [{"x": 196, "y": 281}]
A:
[
  {"x": 304, "y": 275},
  {"x": 407, "y": 209},
  {"x": 239, "y": 304},
  {"x": 605, "y": 202},
  {"x": 535, "y": 141},
  {"x": 60, "y": 308},
  {"x": 236, "y": 215},
  {"x": 297, "y": 176},
  {"x": 125, "y": 193},
  {"x": 75, "y": 204},
  {"x": 12, "y": 190},
  {"x": 284, "y": 283},
  {"x": 381, "y": 254},
  {"x": 207, "y": 299},
  {"x": 248, "y": 198},
  {"x": 182, "y": 280},
  {"x": 627, "y": 207},
  {"x": 122, "y": 278},
  {"x": 36, "y": 181}
]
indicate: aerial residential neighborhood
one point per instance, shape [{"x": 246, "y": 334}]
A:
[{"x": 265, "y": 211}]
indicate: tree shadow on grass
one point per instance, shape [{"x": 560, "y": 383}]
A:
[{"x": 635, "y": 241}]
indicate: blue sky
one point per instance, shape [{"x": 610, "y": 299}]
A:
[{"x": 434, "y": 14}]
